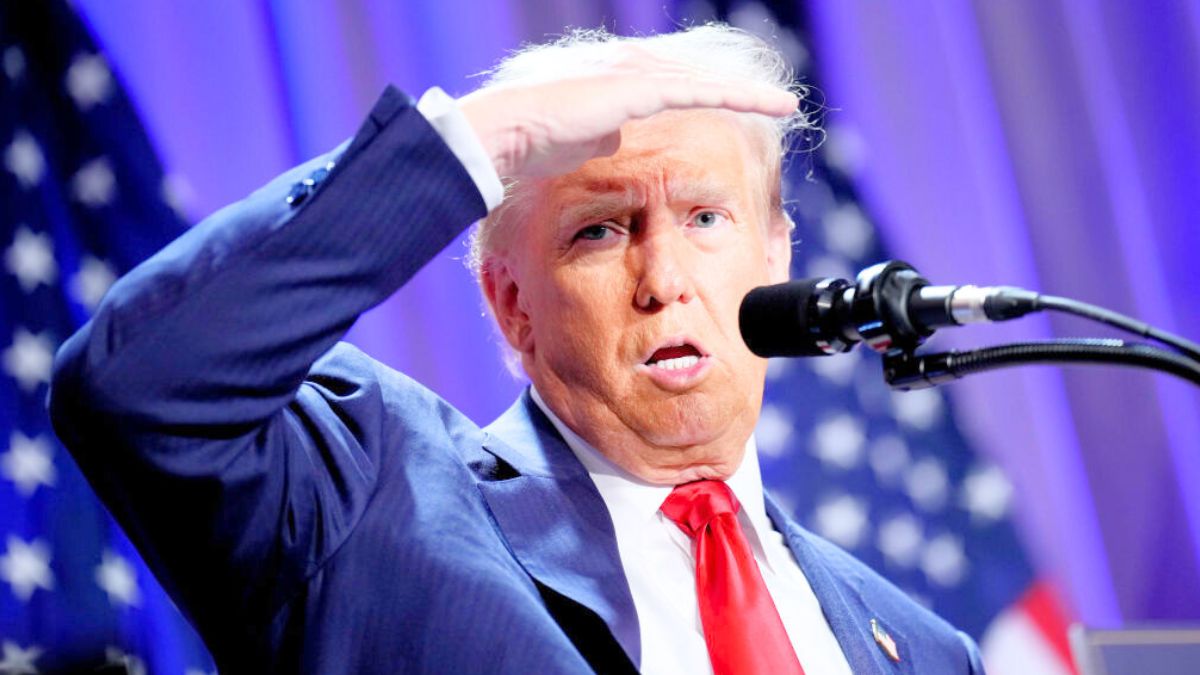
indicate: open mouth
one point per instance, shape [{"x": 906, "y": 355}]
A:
[{"x": 676, "y": 357}]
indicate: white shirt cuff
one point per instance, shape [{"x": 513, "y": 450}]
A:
[{"x": 447, "y": 119}]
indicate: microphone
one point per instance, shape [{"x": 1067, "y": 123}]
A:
[{"x": 889, "y": 306}]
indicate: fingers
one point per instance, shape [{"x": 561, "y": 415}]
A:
[
  {"x": 551, "y": 127},
  {"x": 675, "y": 84},
  {"x": 675, "y": 92}
]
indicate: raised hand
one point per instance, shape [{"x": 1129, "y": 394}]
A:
[{"x": 553, "y": 127}]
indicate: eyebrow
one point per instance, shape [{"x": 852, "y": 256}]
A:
[
  {"x": 595, "y": 208},
  {"x": 701, "y": 189},
  {"x": 600, "y": 197}
]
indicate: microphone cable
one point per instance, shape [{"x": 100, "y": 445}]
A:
[{"x": 1116, "y": 320}]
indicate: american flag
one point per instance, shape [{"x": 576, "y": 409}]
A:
[
  {"x": 888, "y": 475},
  {"x": 82, "y": 199}
]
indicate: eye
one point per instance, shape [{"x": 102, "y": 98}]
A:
[
  {"x": 708, "y": 219},
  {"x": 594, "y": 232}
]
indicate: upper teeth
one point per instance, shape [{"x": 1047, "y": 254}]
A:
[{"x": 677, "y": 363}]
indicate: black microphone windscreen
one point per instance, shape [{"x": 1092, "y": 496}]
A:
[{"x": 775, "y": 320}]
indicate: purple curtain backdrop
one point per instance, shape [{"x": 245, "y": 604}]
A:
[{"x": 1052, "y": 144}]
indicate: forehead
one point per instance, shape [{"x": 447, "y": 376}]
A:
[{"x": 686, "y": 155}]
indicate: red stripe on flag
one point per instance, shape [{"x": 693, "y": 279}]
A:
[{"x": 1042, "y": 607}]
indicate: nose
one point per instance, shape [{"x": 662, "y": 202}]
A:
[{"x": 665, "y": 268}]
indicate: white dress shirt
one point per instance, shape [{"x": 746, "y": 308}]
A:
[
  {"x": 660, "y": 567},
  {"x": 446, "y": 118}
]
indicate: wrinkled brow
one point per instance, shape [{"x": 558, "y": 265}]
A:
[
  {"x": 603, "y": 197},
  {"x": 598, "y": 199}
]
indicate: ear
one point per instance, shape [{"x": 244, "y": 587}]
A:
[
  {"x": 504, "y": 297},
  {"x": 779, "y": 248}
]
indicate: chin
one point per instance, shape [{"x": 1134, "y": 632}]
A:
[
  {"x": 690, "y": 420},
  {"x": 681, "y": 421},
  {"x": 683, "y": 437}
]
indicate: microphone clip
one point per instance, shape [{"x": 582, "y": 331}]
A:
[{"x": 880, "y": 310}]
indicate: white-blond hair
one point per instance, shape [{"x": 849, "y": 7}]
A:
[{"x": 714, "y": 48}]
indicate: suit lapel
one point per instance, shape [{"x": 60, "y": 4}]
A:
[
  {"x": 556, "y": 522},
  {"x": 839, "y": 592},
  {"x": 560, "y": 531}
]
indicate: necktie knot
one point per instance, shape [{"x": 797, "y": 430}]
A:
[{"x": 692, "y": 506}]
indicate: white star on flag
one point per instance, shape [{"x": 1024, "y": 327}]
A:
[
  {"x": 943, "y": 561},
  {"x": 838, "y": 369},
  {"x": 26, "y": 567},
  {"x": 24, "y": 159},
  {"x": 94, "y": 184},
  {"x": 18, "y": 661},
  {"x": 116, "y": 577},
  {"x": 843, "y": 520},
  {"x": 30, "y": 359},
  {"x": 927, "y": 484},
  {"x": 773, "y": 431},
  {"x": 829, "y": 265},
  {"x": 888, "y": 457},
  {"x": 88, "y": 80},
  {"x": 845, "y": 149},
  {"x": 900, "y": 538},
  {"x": 30, "y": 258},
  {"x": 777, "y": 368},
  {"x": 838, "y": 441},
  {"x": 92, "y": 281},
  {"x": 917, "y": 409},
  {"x": 28, "y": 463},
  {"x": 847, "y": 230},
  {"x": 986, "y": 493}
]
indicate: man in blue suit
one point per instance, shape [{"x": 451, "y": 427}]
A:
[{"x": 314, "y": 511}]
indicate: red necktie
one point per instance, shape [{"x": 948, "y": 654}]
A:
[{"x": 741, "y": 626}]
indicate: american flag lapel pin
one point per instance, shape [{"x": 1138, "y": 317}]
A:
[{"x": 885, "y": 641}]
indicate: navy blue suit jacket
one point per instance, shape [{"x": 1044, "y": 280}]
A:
[{"x": 314, "y": 511}]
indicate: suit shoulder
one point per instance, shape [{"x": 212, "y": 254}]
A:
[
  {"x": 880, "y": 592},
  {"x": 937, "y": 642}
]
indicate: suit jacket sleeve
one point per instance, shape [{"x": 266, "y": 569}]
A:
[{"x": 185, "y": 398}]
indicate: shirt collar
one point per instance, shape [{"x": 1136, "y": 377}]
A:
[{"x": 632, "y": 496}]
